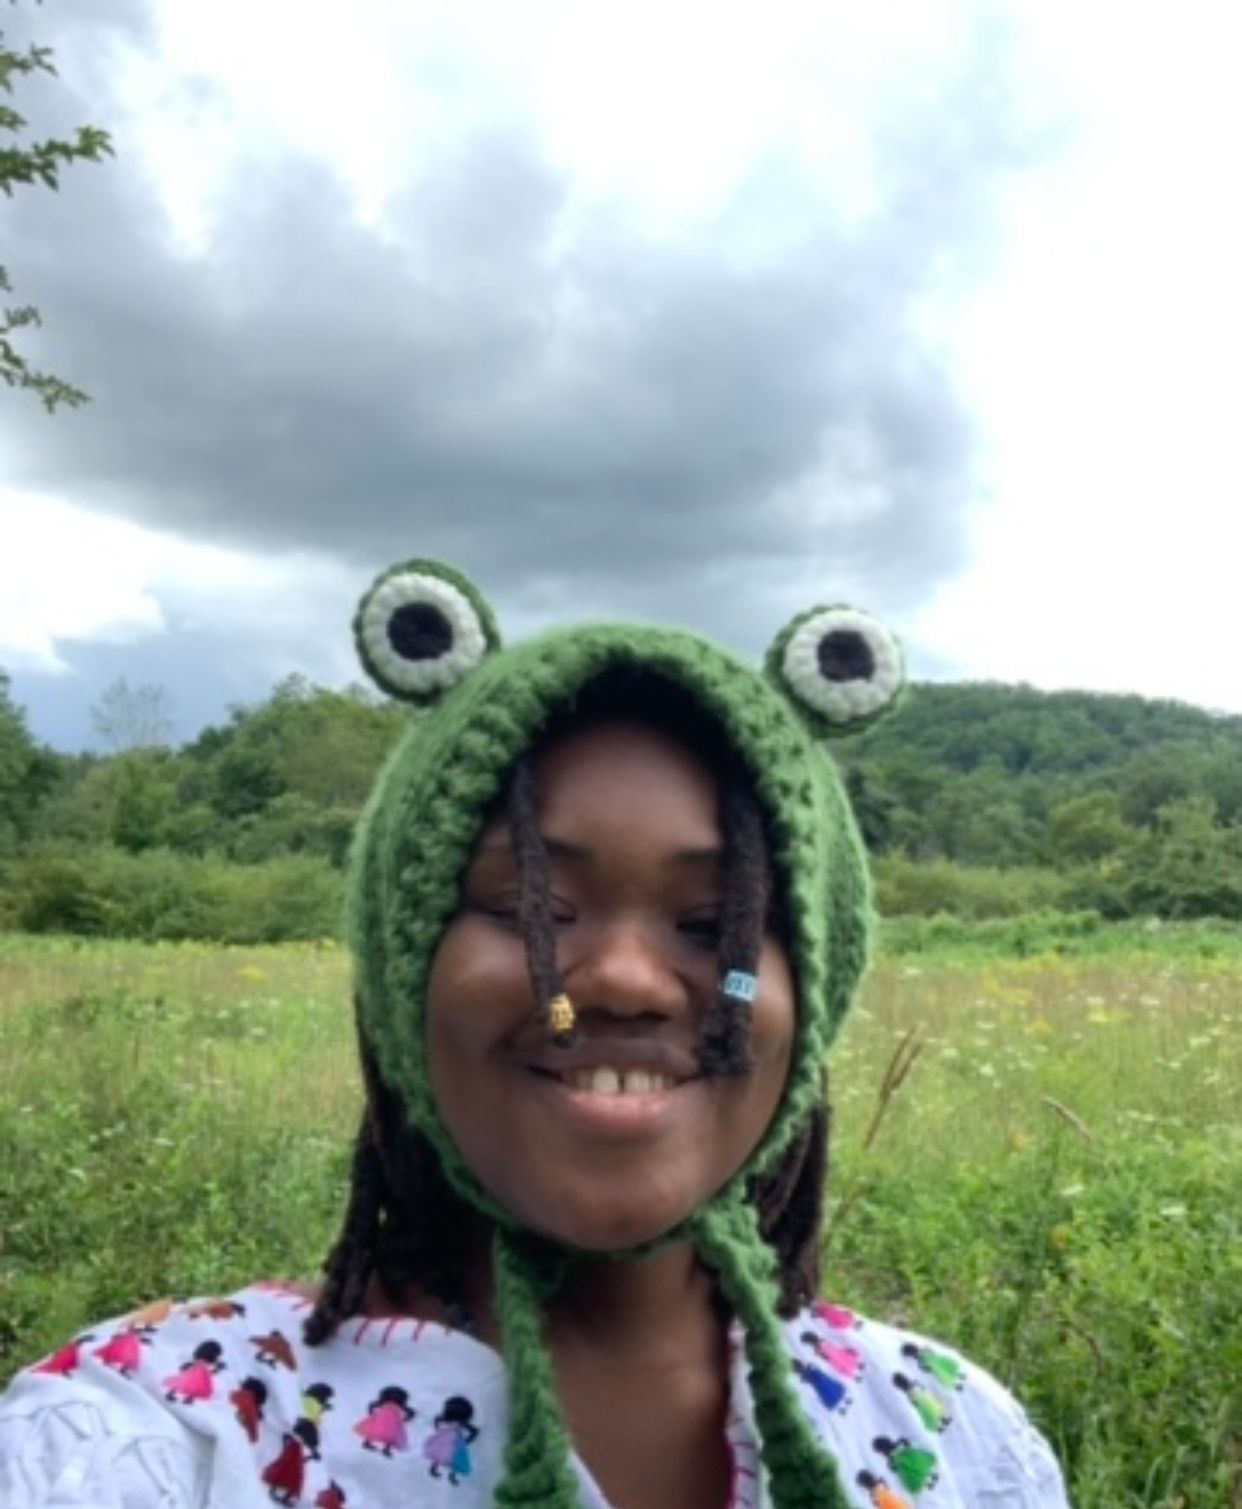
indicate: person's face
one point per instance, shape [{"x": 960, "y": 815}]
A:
[{"x": 615, "y": 1140}]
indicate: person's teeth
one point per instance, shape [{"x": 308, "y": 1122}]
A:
[
  {"x": 606, "y": 1082},
  {"x": 620, "y": 1081}
]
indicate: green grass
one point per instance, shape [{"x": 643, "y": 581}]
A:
[{"x": 1056, "y": 1185}]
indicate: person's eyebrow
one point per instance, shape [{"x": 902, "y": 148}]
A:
[{"x": 562, "y": 848}]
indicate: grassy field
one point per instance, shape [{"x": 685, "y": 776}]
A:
[{"x": 1038, "y": 1158}]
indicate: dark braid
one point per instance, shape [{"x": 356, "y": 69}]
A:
[
  {"x": 404, "y": 1224},
  {"x": 790, "y": 1202},
  {"x": 350, "y": 1262},
  {"x": 743, "y": 919},
  {"x": 534, "y": 889}
]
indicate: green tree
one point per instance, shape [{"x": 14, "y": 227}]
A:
[
  {"x": 27, "y": 772},
  {"x": 291, "y": 774},
  {"x": 1086, "y": 829},
  {"x": 1151, "y": 781},
  {"x": 34, "y": 163},
  {"x": 1191, "y": 866},
  {"x": 1222, "y": 781},
  {"x": 873, "y": 808},
  {"x": 144, "y": 799},
  {"x": 132, "y": 717}
]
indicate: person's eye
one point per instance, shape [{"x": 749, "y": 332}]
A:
[
  {"x": 507, "y": 910},
  {"x": 499, "y": 906},
  {"x": 702, "y": 928}
]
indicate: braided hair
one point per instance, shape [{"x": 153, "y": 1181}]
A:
[{"x": 404, "y": 1223}]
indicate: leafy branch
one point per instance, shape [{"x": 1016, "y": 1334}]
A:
[{"x": 35, "y": 164}]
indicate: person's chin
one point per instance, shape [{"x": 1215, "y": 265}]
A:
[{"x": 609, "y": 1226}]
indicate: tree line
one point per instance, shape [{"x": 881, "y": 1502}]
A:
[{"x": 981, "y": 800}]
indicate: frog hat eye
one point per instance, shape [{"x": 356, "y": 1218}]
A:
[
  {"x": 839, "y": 664},
  {"x": 422, "y": 628}
]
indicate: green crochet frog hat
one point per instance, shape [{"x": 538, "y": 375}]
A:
[{"x": 426, "y": 635}]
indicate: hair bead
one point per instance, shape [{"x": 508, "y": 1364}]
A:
[
  {"x": 562, "y": 1018},
  {"x": 740, "y": 985}
]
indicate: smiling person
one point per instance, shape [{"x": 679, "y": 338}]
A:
[{"x": 608, "y": 908}]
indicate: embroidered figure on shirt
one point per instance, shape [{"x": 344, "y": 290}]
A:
[
  {"x": 274, "y": 1350},
  {"x": 846, "y": 1361},
  {"x": 154, "y": 1314},
  {"x": 914, "y": 1465},
  {"x": 123, "y": 1352},
  {"x": 196, "y": 1380},
  {"x": 67, "y": 1360},
  {"x": 287, "y": 1473},
  {"x": 836, "y": 1316},
  {"x": 934, "y": 1413},
  {"x": 331, "y": 1497},
  {"x": 248, "y": 1400},
  {"x": 384, "y": 1427},
  {"x": 880, "y": 1494},
  {"x": 832, "y": 1393},
  {"x": 448, "y": 1446},
  {"x": 215, "y": 1309},
  {"x": 317, "y": 1401},
  {"x": 947, "y": 1371}
]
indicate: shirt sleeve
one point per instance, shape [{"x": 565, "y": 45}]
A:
[
  {"x": 72, "y": 1455},
  {"x": 1024, "y": 1474},
  {"x": 1020, "y": 1471},
  {"x": 908, "y": 1415}
]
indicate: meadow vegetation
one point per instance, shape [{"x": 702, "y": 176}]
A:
[{"x": 1038, "y": 1158}]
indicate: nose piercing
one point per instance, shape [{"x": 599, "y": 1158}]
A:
[
  {"x": 561, "y": 1018},
  {"x": 739, "y": 986}
]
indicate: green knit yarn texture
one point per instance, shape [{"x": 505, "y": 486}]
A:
[
  {"x": 410, "y": 855},
  {"x": 537, "y": 1471},
  {"x": 801, "y": 1473}
]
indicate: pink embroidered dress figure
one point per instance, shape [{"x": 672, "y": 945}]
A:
[
  {"x": 197, "y": 1379},
  {"x": 65, "y": 1361},
  {"x": 384, "y": 1429},
  {"x": 845, "y": 1361},
  {"x": 124, "y": 1350}
]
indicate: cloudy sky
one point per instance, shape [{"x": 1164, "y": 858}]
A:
[{"x": 663, "y": 309}]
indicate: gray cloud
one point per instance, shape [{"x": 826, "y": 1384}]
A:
[{"x": 591, "y": 422}]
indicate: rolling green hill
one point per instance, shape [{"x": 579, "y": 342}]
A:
[{"x": 978, "y": 798}]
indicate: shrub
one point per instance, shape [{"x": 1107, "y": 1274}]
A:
[
  {"x": 905, "y": 887},
  {"x": 158, "y": 894}
]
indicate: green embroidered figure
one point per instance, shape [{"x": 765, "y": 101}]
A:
[
  {"x": 317, "y": 1401},
  {"x": 933, "y": 1412},
  {"x": 947, "y": 1371},
  {"x": 914, "y": 1465},
  {"x": 426, "y": 635}
]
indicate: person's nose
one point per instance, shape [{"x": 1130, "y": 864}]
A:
[{"x": 626, "y": 968}]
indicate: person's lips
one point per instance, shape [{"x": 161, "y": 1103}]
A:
[
  {"x": 616, "y": 1066},
  {"x": 608, "y": 1087}
]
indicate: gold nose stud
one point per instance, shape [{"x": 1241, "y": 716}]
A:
[{"x": 561, "y": 1018}]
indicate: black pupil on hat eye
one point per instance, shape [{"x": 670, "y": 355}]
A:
[
  {"x": 420, "y": 631},
  {"x": 845, "y": 655}
]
